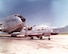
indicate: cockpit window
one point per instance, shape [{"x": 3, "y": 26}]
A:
[{"x": 21, "y": 17}]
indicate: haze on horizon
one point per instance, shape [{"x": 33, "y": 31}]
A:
[{"x": 37, "y": 12}]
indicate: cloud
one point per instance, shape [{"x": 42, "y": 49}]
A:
[{"x": 43, "y": 26}]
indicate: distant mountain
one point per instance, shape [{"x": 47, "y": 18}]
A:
[{"x": 62, "y": 29}]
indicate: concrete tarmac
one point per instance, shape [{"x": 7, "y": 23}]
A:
[{"x": 57, "y": 45}]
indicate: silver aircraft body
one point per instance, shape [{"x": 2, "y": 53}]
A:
[{"x": 13, "y": 23}]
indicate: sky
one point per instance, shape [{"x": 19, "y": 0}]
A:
[{"x": 37, "y": 12}]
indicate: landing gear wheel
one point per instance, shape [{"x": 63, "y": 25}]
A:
[
  {"x": 48, "y": 38},
  {"x": 31, "y": 37},
  {"x": 41, "y": 37},
  {"x": 13, "y": 35}
]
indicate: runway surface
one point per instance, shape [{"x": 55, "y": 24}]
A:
[{"x": 57, "y": 45}]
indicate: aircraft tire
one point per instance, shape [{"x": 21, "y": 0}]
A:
[
  {"x": 13, "y": 35},
  {"x": 31, "y": 37},
  {"x": 41, "y": 38},
  {"x": 48, "y": 38}
]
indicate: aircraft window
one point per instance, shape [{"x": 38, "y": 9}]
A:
[
  {"x": 20, "y": 16},
  {"x": 23, "y": 19}
]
